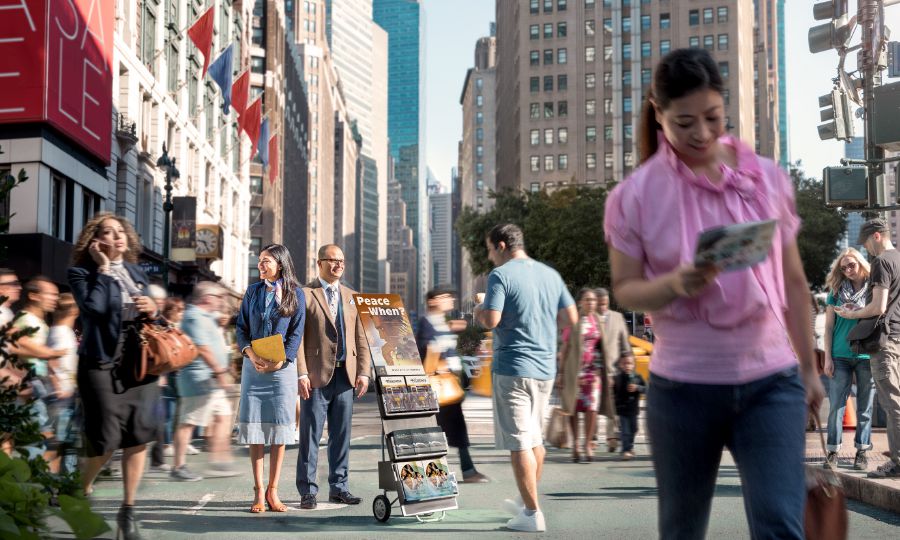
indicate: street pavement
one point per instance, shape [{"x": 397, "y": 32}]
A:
[{"x": 604, "y": 499}]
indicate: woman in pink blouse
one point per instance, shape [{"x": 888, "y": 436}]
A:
[{"x": 725, "y": 368}]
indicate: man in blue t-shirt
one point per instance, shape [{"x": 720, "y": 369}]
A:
[{"x": 524, "y": 301}]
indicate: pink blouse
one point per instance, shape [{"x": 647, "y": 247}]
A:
[{"x": 733, "y": 332}]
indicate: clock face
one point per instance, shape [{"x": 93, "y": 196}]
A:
[{"x": 207, "y": 241}]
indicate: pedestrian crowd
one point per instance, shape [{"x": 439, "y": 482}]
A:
[{"x": 734, "y": 364}]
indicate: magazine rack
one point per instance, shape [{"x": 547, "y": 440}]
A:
[{"x": 413, "y": 474}]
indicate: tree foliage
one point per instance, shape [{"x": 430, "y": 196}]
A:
[
  {"x": 821, "y": 230},
  {"x": 563, "y": 229}
]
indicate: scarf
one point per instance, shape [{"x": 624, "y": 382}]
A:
[{"x": 846, "y": 294}]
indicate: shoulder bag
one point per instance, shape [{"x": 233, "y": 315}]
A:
[
  {"x": 869, "y": 335},
  {"x": 825, "y": 517},
  {"x": 163, "y": 348}
]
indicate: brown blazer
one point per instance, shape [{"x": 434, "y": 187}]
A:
[
  {"x": 318, "y": 352},
  {"x": 615, "y": 346}
]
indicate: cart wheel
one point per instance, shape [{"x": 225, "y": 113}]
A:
[{"x": 381, "y": 507}]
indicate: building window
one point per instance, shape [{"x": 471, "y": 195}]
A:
[
  {"x": 626, "y": 24},
  {"x": 255, "y": 216},
  {"x": 561, "y": 29},
  {"x": 563, "y": 162},
  {"x": 709, "y": 43},
  {"x": 723, "y": 69},
  {"x": 723, "y": 42},
  {"x": 562, "y": 135},
  {"x": 548, "y": 6},
  {"x": 626, "y": 78},
  {"x": 562, "y": 5},
  {"x": 607, "y": 132},
  {"x": 549, "y": 162},
  {"x": 258, "y": 65},
  {"x": 257, "y": 37},
  {"x": 479, "y": 134},
  {"x": 629, "y": 159},
  {"x": 534, "y": 84},
  {"x": 562, "y": 82},
  {"x": 534, "y": 58},
  {"x": 590, "y": 107},
  {"x": 589, "y": 53},
  {"x": 479, "y": 151},
  {"x": 590, "y": 134},
  {"x": 535, "y": 187},
  {"x": 646, "y": 74},
  {"x": 533, "y": 6},
  {"x": 627, "y": 131},
  {"x": 694, "y": 17},
  {"x": 626, "y": 105},
  {"x": 479, "y": 83},
  {"x": 694, "y": 41},
  {"x": 726, "y": 96},
  {"x": 548, "y": 30},
  {"x": 665, "y": 46},
  {"x": 589, "y": 27},
  {"x": 607, "y": 52},
  {"x": 535, "y": 109},
  {"x": 548, "y": 136},
  {"x": 590, "y": 80},
  {"x": 607, "y": 79},
  {"x": 479, "y": 118},
  {"x": 645, "y": 49},
  {"x": 588, "y": 4},
  {"x": 707, "y": 15},
  {"x": 590, "y": 161},
  {"x": 562, "y": 109},
  {"x": 479, "y": 100},
  {"x": 548, "y": 57},
  {"x": 645, "y": 22},
  {"x": 535, "y": 163},
  {"x": 145, "y": 207},
  {"x": 561, "y": 56},
  {"x": 607, "y": 25},
  {"x": 665, "y": 21},
  {"x": 723, "y": 14},
  {"x": 535, "y": 135},
  {"x": 626, "y": 51},
  {"x": 479, "y": 168},
  {"x": 548, "y": 109},
  {"x": 548, "y": 83},
  {"x": 534, "y": 31},
  {"x": 608, "y": 160},
  {"x": 479, "y": 184},
  {"x": 256, "y": 184},
  {"x": 607, "y": 106}
]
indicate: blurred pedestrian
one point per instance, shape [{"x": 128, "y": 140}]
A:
[
  {"x": 885, "y": 363},
  {"x": 202, "y": 398},
  {"x": 435, "y": 335},
  {"x": 848, "y": 286},
  {"x": 616, "y": 346},
  {"x": 333, "y": 365},
  {"x": 63, "y": 371},
  {"x": 157, "y": 451},
  {"x": 273, "y": 306},
  {"x": 628, "y": 387},
  {"x": 523, "y": 302},
  {"x": 580, "y": 370},
  {"x": 109, "y": 285},
  {"x": 724, "y": 370},
  {"x": 10, "y": 289}
]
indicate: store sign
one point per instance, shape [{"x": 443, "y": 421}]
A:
[
  {"x": 184, "y": 229},
  {"x": 151, "y": 268},
  {"x": 56, "y": 67}
]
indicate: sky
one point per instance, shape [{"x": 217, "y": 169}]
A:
[{"x": 453, "y": 27}]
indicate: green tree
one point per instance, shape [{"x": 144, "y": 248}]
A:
[
  {"x": 821, "y": 230},
  {"x": 563, "y": 229}
]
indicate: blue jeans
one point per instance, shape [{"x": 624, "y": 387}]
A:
[
  {"x": 839, "y": 391},
  {"x": 762, "y": 423},
  {"x": 628, "y": 424}
]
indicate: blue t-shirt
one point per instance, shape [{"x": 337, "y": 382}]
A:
[
  {"x": 203, "y": 329},
  {"x": 529, "y": 295}
]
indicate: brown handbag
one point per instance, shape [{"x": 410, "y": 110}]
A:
[
  {"x": 163, "y": 348},
  {"x": 825, "y": 517},
  {"x": 444, "y": 382}
]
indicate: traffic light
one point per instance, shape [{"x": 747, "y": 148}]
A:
[
  {"x": 834, "y": 34},
  {"x": 846, "y": 186},
  {"x": 836, "y": 115}
]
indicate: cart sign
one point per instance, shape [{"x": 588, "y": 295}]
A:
[{"x": 56, "y": 67}]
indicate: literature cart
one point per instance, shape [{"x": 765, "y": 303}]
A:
[{"x": 413, "y": 473}]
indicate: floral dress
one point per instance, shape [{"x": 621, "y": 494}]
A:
[{"x": 589, "y": 373}]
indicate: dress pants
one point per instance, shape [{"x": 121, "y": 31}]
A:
[{"x": 333, "y": 402}]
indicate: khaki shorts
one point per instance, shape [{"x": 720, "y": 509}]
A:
[
  {"x": 519, "y": 405},
  {"x": 199, "y": 410}
]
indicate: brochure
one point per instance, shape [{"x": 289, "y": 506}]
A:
[
  {"x": 389, "y": 333},
  {"x": 736, "y": 246},
  {"x": 409, "y": 443},
  {"x": 426, "y": 479}
]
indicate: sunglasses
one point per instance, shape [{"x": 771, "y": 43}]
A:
[{"x": 850, "y": 266}]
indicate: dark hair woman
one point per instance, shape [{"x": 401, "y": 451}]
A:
[
  {"x": 109, "y": 287},
  {"x": 274, "y": 305},
  {"x": 725, "y": 367}
]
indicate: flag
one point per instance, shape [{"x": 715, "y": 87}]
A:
[
  {"x": 239, "y": 92},
  {"x": 220, "y": 72},
  {"x": 201, "y": 33},
  {"x": 250, "y": 123},
  {"x": 263, "y": 142},
  {"x": 273, "y": 158}
]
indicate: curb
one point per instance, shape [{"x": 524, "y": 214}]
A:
[{"x": 868, "y": 491}]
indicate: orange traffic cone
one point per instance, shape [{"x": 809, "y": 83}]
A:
[{"x": 850, "y": 414}]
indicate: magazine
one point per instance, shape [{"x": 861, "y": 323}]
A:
[
  {"x": 407, "y": 395},
  {"x": 736, "y": 246},
  {"x": 408, "y": 443},
  {"x": 389, "y": 333},
  {"x": 426, "y": 479}
]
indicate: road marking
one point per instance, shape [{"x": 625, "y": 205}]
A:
[{"x": 200, "y": 504}]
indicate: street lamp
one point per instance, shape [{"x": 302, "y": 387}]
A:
[{"x": 168, "y": 164}]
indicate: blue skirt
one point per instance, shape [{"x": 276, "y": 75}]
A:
[{"x": 268, "y": 410}]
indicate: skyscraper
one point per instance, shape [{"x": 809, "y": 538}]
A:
[{"x": 403, "y": 21}]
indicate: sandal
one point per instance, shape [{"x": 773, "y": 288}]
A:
[
  {"x": 257, "y": 508},
  {"x": 275, "y": 507}
]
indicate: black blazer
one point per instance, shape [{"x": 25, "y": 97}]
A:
[{"x": 99, "y": 298}]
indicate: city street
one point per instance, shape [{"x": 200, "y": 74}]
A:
[{"x": 604, "y": 499}]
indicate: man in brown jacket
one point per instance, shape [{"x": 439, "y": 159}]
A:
[
  {"x": 333, "y": 363},
  {"x": 615, "y": 347}
]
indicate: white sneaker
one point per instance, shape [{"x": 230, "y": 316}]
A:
[
  {"x": 514, "y": 506},
  {"x": 526, "y": 523},
  {"x": 192, "y": 450},
  {"x": 168, "y": 450}
]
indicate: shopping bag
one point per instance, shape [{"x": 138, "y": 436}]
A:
[
  {"x": 825, "y": 517},
  {"x": 556, "y": 432}
]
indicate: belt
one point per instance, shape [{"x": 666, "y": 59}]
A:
[{"x": 339, "y": 363}]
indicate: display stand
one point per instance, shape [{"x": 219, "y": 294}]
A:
[{"x": 413, "y": 473}]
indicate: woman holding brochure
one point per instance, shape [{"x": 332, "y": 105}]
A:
[
  {"x": 275, "y": 306},
  {"x": 725, "y": 370}
]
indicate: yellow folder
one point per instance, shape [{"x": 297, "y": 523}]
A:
[{"x": 270, "y": 348}]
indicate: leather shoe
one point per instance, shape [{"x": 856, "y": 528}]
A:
[
  {"x": 344, "y": 497},
  {"x": 308, "y": 502}
]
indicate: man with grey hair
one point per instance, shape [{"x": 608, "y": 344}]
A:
[
  {"x": 202, "y": 400},
  {"x": 615, "y": 347}
]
